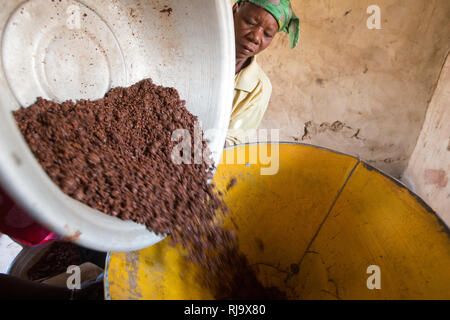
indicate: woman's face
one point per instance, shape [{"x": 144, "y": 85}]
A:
[{"x": 254, "y": 29}]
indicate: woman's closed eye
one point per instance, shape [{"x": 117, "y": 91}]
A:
[{"x": 249, "y": 22}]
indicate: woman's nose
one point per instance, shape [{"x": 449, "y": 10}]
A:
[{"x": 256, "y": 36}]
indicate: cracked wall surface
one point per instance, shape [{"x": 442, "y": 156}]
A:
[{"x": 358, "y": 91}]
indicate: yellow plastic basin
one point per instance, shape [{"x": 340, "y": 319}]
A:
[{"x": 316, "y": 229}]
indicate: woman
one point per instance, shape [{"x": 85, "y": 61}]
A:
[{"x": 256, "y": 23}]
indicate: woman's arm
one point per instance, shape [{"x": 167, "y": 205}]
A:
[{"x": 15, "y": 288}]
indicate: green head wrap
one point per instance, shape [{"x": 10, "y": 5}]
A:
[{"x": 285, "y": 16}]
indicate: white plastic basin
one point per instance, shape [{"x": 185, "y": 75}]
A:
[{"x": 71, "y": 49}]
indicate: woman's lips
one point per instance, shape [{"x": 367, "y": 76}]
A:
[{"x": 246, "y": 50}]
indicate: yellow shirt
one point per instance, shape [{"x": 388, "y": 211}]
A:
[{"x": 252, "y": 91}]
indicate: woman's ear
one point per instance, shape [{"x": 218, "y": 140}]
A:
[{"x": 235, "y": 7}]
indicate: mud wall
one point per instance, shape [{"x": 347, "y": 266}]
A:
[{"x": 359, "y": 91}]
